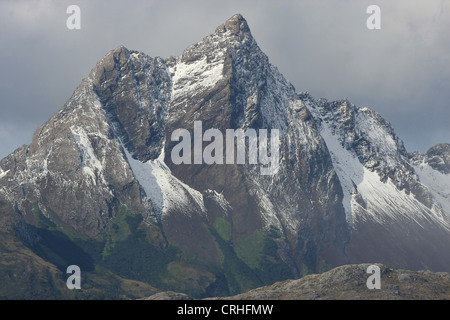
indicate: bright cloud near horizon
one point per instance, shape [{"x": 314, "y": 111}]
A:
[{"x": 324, "y": 47}]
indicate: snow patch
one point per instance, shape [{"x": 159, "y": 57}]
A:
[
  {"x": 267, "y": 209},
  {"x": 165, "y": 192},
  {"x": 3, "y": 173},
  {"x": 344, "y": 164},
  {"x": 377, "y": 134},
  {"x": 91, "y": 166},
  {"x": 438, "y": 184},
  {"x": 195, "y": 76}
]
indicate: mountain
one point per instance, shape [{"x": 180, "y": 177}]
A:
[{"x": 98, "y": 186}]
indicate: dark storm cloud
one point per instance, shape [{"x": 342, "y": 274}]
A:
[{"x": 402, "y": 71}]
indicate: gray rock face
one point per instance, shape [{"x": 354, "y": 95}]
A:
[
  {"x": 134, "y": 90},
  {"x": 439, "y": 157},
  {"x": 346, "y": 188}
]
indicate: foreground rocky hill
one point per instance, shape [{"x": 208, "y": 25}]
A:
[{"x": 347, "y": 282}]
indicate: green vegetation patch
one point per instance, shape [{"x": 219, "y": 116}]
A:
[
  {"x": 56, "y": 246},
  {"x": 121, "y": 227},
  {"x": 128, "y": 253},
  {"x": 250, "y": 248},
  {"x": 235, "y": 276},
  {"x": 223, "y": 228},
  {"x": 260, "y": 252},
  {"x": 104, "y": 276}
]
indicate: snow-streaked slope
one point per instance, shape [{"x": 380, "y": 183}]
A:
[
  {"x": 165, "y": 192},
  {"x": 3, "y": 173},
  {"x": 381, "y": 138},
  {"x": 438, "y": 183},
  {"x": 365, "y": 192},
  {"x": 190, "y": 77},
  {"x": 91, "y": 165},
  {"x": 344, "y": 164}
]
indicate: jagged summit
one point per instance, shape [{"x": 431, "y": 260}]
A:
[{"x": 236, "y": 25}]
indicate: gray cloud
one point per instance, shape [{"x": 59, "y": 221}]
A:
[{"x": 402, "y": 71}]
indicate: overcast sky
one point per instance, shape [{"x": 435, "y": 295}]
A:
[{"x": 324, "y": 47}]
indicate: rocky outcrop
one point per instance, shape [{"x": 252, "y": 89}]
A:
[
  {"x": 438, "y": 157},
  {"x": 349, "y": 282},
  {"x": 168, "y": 295}
]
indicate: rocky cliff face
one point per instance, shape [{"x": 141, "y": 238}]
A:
[{"x": 100, "y": 175}]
